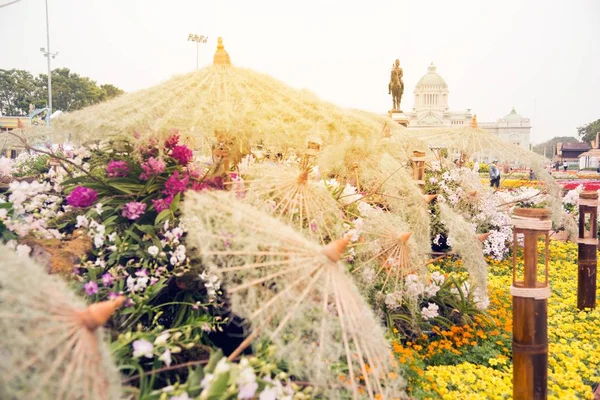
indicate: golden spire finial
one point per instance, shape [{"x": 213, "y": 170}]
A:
[
  {"x": 474, "y": 121},
  {"x": 221, "y": 57}
]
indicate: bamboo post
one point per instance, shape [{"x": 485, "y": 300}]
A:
[
  {"x": 587, "y": 243},
  {"x": 530, "y": 307},
  {"x": 418, "y": 165}
]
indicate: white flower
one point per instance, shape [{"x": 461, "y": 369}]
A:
[
  {"x": 269, "y": 393},
  {"x": 222, "y": 366},
  {"x": 99, "y": 208},
  {"x": 431, "y": 290},
  {"x": 98, "y": 240},
  {"x": 23, "y": 250},
  {"x": 393, "y": 300},
  {"x": 166, "y": 357},
  {"x": 153, "y": 251},
  {"x": 246, "y": 381},
  {"x": 142, "y": 348},
  {"x": 349, "y": 195},
  {"x": 162, "y": 339},
  {"x": 438, "y": 278},
  {"x": 431, "y": 311},
  {"x": 368, "y": 274},
  {"x": 5, "y": 166},
  {"x": 414, "y": 288},
  {"x": 111, "y": 237},
  {"x": 3, "y": 213},
  {"x": 183, "y": 396},
  {"x": 207, "y": 380},
  {"x": 82, "y": 221}
]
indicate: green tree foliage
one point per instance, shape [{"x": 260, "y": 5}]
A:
[
  {"x": 550, "y": 145},
  {"x": 70, "y": 91},
  {"x": 17, "y": 91},
  {"x": 587, "y": 133}
]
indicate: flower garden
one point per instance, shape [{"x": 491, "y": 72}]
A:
[{"x": 140, "y": 267}]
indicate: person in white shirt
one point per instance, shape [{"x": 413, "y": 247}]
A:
[{"x": 494, "y": 174}]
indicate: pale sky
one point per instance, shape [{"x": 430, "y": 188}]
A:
[{"x": 542, "y": 57}]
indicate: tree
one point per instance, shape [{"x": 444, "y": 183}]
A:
[
  {"x": 110, "y": 91},
  {"x": 549, "y": 146},
  {"x": 70, "y": 91},
  {"x": 587, "y": 133},
  {"x": 17, "y": 91}
]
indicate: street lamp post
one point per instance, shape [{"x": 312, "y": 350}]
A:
[
  {"x": 48, "y": 54},
  {"x": 198, "y": 39}
]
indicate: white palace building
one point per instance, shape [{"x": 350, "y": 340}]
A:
[{"x": 431, "y": 110}]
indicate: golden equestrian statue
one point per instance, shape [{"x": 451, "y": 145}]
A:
[{"x": 396, "y": 85}]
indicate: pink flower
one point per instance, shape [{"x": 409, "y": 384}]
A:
[
  {"x": 82, "y": 197},
  {"x": 117, "y": 168},
  {"x": 91, "y": 288},
  {"x": 215, "y": 183},
  {"x": 133, "y": 210},
  {"x": 107, "y": 279},
  {"x": 151, "y": 168},
  {"x": 175, "y": 185},
  {"x": 162, "y": 204},
  {"x": 113, "y": 295},
  {"x": 172, "y": 140},
  {"x": 182, "y": 154}
]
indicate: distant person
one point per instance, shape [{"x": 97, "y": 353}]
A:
[
  {"x": 598, "y": 169},
  {"x": 531, "y": 175},
  {"x": 494, "y": 174},
  {"x": 565, "y": 166}
]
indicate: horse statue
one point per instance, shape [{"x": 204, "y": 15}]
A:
[{"x": 396, "y": 85}]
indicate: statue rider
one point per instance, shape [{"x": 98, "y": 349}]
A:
[{"x": 396, "y": 85}]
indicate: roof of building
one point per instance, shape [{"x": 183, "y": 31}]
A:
[
  {"x": 575, "y": 146},
  {"x": 431, "y": 78},
  {"x": 591, "y": 153}
]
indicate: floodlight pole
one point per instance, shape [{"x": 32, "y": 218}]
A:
[
  {"x": 48, "y": 54},
  {"x": 192, "y": 37}
]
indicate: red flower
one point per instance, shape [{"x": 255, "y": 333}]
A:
[
  {"x": 162, "y": 204},
  {"x": 182, "y": 154},
  {"x": 173, "y": 140},
  {"x": 175, "y": 184}
]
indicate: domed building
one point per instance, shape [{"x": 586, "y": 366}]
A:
[
  {"x": 431, "y": 110},
  {"x": 512, "y": 128}
]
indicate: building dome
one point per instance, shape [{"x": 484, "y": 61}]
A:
[
  {"x": 431, "y": 78},
  {"x": 513, "y": 117}
]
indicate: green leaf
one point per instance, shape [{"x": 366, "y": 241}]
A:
[
  {"x": 194, "y": 379},
  {"x": 214, "y": 359},
  {"x": 148, "y": 229},
  {"x": 175, "y": 202},
  {"x": 163, "y": 215},
  {"x": 219, "y": 386}
]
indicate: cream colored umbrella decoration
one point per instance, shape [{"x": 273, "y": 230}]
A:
[
  {"x": 383, "y": 179},
  {"x": 238, "y": 102},
  {"x": 386, "y": 252},
  {"x": 472, "y": 140},
  {"x": 52, "y": 345},
  {"x": 297, "y": 294},
  {"x": 294, "y": 195},
  {"x": 465, "y": 242}
]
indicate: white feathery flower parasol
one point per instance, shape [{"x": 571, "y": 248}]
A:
[
  {"x": 52, "y": 344},
  {"x": 296, "y": 293},
  {"x": 387, "y": 248},
  {"x": 292, "y": 195}
]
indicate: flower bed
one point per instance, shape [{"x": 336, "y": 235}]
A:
[
  {"x": 474, "y": 361},
  {"x": 591, "y": 184}
]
